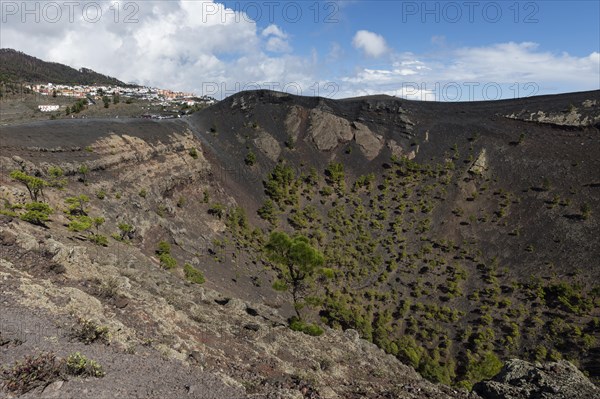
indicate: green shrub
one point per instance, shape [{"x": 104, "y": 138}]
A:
[
  {"x": 237, "y": 220},
  {"x": 55, "y": 171},
  {"x": 193, "y": 152},
  {"x": 482, "y": 367},
  {"x": 76, "y": 205},
  {"x": 409, "y": 350},
  {"x": 327, "y": 272},
  {"x": 554, "y": 355},
  {"x": 32, "y": 372},
  {"x": 335, "y": 171},
  {"x": 161, "y": 210},
  {"x": 217, "y": 210},
  {"x": 101, "y": 194},
  {"x": 88, "y": 331},
  {"x": 99, "y": 221},
  {"x": 540, "y": 353},
  {"x": 99, "y": 239},
  {"x": 588, "y": 342},
  {"x": 167, "y": 261},
  {"x": 7, "y": 212},
  {"x": 79, "y": 365},
  {"x": 193, "y": 275},
  {"x": 164, "y": 255},
  {"x": 125, "y": 229},
  {"x": 326, "y": 191},
  {"x": 163, "y": 248},
  {"x": 37, "y": 213},
  {"x": 307, "y": 328},
  {"x": 143, "y": 193},
  {"x": 586, "y": 211},
  {"x": 34, "y": 185},
  {"x": 280, "y": 184},
  {"x": 56, "y": 180},
  {"x": 80, "y": 223},
  {"x": 290, "y": 142},
  {"x": 83, "y": 170},
  {"x": 250, "y": 158},
  {"x": 280, "y": 285},
  {"x": 434, "y": 370},
  {"x": 268, "y": 211}
]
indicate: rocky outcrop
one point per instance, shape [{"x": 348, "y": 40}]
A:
[
  {"x": 268, "y": 145},
  {"x": 480, "y": 166},
  {"x": 522, "y": 380},
  {"x": 573, "y": 118},
  {"x": 588, "y": 114},
  {"x": 170, "y": 158},
  {"x": 293, "y": 121},
  {"x": 369, "y": 143},
  {"x": 396, "y": 148},
  {"x": 327, "y": 131}
]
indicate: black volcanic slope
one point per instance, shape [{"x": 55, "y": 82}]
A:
[
  {"x": 520, "y": 234},
  {"x": 477, "y": 232}
]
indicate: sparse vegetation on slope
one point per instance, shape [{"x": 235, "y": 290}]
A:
[{"x": 435, "y": 250}]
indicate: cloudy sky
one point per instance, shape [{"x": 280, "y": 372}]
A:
[{"x": 445, "y": 51}]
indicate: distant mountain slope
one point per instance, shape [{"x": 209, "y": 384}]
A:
[{"x": 18, "y": 66}]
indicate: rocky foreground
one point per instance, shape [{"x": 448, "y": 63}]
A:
[{"x": 519, "y": 379}]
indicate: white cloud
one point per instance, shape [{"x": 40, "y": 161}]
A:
[
  {"x": 523, "y": 62},
  {"x": 335, "y": 52},
  {"x": 274, "y": 30},
  {"x": 182, "y": 45},
  {"x": 277, "y": 45},
  {"x": 189, "y": 45},
  {"x": 276, "y": 39},
  {"x": 379, "y": 76},
  {"x": 372, "y": 44},
  {"x": 468, "y": 70}
]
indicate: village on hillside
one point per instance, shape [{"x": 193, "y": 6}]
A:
[
  {"x": 140, "y": 92},
  {"x": 177, "y": 102}
]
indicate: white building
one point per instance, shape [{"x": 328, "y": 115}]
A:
[{"x": 48, "y": 108}]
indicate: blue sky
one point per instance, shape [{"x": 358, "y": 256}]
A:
[
  {"x": 445, "y": 51},
  {"x": 571, "y": 26}
]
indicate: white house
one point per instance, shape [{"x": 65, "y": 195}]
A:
[{"x": 48, "y": 108}]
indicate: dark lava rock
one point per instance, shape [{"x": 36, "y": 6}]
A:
[
  {"x": 252, "y": 311},
  {"x": 252, "y": 327},
  {"x": 523, "y": 380},
  {"x": 196, "y": 357},
  {"x": 121, "y": 303}
]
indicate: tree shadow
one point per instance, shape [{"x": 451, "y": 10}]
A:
[{"x": 574, "y": 216}]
